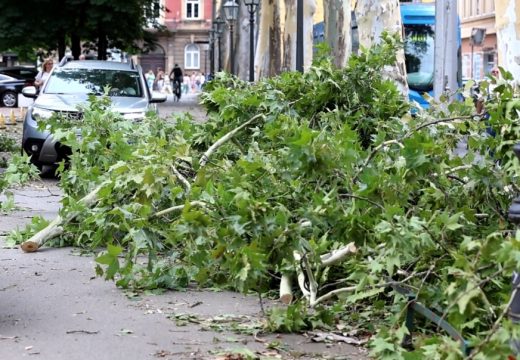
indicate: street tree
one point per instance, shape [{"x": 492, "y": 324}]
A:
[
  {"x": 373, "y": 18},
  {"x": 268, "y": 58},
  {"x": 338, "y": 29},
  {"x": 56, "y": 24},
  {"x": 507, "y": 14}
]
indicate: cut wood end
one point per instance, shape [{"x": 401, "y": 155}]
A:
[
  {"x": 30, "y": 246},
  {"x": 286, "y": 299},
  {"x": 352, "y": 247}
]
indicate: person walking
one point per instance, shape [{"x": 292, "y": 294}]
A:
[
  {"x": 159, "y": 81},
  {"x": 150, "y": 79},
  {"x": 43, "y": 75}
]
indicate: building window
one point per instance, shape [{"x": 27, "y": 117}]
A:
[
  {"x": 192, "y": 9},
  {"x": 192, "y": 57},
  {"x": 466, "y": 66}
]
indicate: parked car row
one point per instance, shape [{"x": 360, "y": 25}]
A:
[{"x": 12, "y": 81}]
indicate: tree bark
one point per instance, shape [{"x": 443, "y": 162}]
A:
[
  {"x": 268, "y": 58},
  {"x": 375, "y": 16},
  {"x": 242, "y": 43},
  {"x": 338, "y": 32},
  {"x": 289, "y": 37},
  {"x": 309, "y": 8},
  {"x": 507, "y": 14},
  {"x": 286, "y": 295}
]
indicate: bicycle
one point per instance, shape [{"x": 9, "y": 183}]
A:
[{"x": 176, "y": 87}]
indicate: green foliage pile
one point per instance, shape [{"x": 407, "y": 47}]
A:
[
  {"x": 18, "y": 172},
  {"x": 328, "y": 157}
]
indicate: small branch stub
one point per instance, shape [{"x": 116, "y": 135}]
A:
[{"x": 286, "y": 295}]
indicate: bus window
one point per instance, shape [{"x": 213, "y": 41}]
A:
[{"x": 419, "y": 56}]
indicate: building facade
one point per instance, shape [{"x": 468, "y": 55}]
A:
[
  {"x": 477, "y": 16},
  {"x": 185, "y": 40}
]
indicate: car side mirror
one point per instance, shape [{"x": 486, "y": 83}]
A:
[
  {"x": 30, "y": 92},
  {"x": 158, "y": 97}
]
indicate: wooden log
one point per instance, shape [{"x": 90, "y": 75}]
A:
[
  {"x": 55, "y": 228},
  {"x": 286, "y": 295},
  {"x": 336, "y": 256}
]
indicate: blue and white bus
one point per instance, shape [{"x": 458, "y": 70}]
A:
[{"x": 419, "y": 47}]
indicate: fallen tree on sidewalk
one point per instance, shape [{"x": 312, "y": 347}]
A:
[{"x": 320, "y": 186}]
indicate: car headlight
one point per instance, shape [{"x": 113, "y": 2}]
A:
[
  {"x": 134, "y": 115},
  {"x": 41, "y": 114}
]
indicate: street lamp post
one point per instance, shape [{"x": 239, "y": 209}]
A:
[
  {"x": 211, "y": 52},
  {"x": 299, "y": 36},
  {"x": 231, "y": 12},
  {"x": 218, "y": 26},
  {"x": 251, "y": 7}
]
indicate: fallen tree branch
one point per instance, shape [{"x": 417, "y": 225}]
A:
[
  {"x": 182, "y": 179},
  {"x": 207, "y": 155},
  {"x": 286, "y": 295},
  {"x": 55, "y": 227},
  {"x": 313, "y": 285},
  {"x": 301, "y": 277},
  {"x": 336, "y": 256},
  {"x": 177, "y": 208}
]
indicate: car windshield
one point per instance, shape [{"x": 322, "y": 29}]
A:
[
  {"x": 419, "y": 53},
  {"x": 94, "y": 81}
]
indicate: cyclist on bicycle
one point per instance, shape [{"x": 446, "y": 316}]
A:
[{"x": 176, "y": 78}]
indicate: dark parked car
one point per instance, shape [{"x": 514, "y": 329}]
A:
[
  {"x": 68, "y": 86},
  {"x": 12, "y": 81}
]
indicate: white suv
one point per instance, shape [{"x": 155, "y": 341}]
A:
[{"x": 70, "y": 85}]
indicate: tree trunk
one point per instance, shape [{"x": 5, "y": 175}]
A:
[
  {"x": 309, "y": 8},
  {"x": 102, "y": 45},
  {"x": 75, "y": 45},
  {"x": 61, "y": 47},
  {"x": 289, "y": 37},
  {"x": 375, "y": 16},
  {"x": 242, "y": 43},
  {"x": 338, "y": 30},
  {"x": 268, "y": 59},
  {"x": 507, "y": 14}
]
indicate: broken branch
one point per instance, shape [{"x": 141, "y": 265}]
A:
[
  {"x": 55, "y": 227},
  {"x": 207, "y": 155}
]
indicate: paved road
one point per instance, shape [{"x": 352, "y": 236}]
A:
[{"x": 53, "y": 307}]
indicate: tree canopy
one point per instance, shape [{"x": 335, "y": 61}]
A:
[{"x": 56, "y": 24}]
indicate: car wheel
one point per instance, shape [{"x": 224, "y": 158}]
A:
[{"x": 9, "y": 99}]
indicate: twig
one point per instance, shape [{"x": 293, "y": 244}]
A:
[
  {"x": 82, "y": 332},
  {"x": 481, "y": 283},
  {"x": 261, "y": 301},
  {"x": 495, "y": 326},
  {"x": 364, "y": 199},
  {"x": 434, "y": 122},
  {"x": 177, "y": 208},
  {"x": 207, "y": 155},
  {"x": 372, "y": 154},
  {"x": 453, "y": 177}
]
